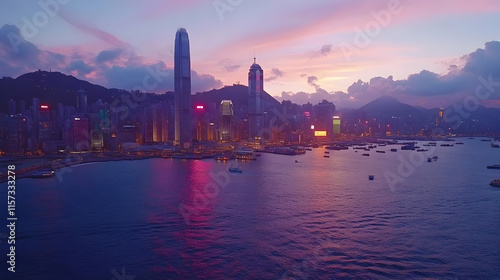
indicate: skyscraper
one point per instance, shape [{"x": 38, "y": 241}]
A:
[
  {"x": 182, "y": 79},
  {"x": 226, "y": 118},
  {"x": 336, "y": 126},
  {"x": 81, "y": 101},
  {"x": 255, "y": 89},
  {"x": 12, "y": 107}
]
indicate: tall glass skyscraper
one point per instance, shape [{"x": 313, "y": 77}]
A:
[
  {"x": 182, "y": 78},
  {"x": 255, "y": 89}
]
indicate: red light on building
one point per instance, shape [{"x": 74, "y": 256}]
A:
[
  {"x": 307, "y": 114},
  {"x": 44, "y": 106},
  {"x": 200, "y": 107}
]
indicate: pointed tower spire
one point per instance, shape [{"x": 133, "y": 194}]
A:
[{"x": 254, "y": 59}]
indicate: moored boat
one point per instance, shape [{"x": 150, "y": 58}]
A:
[
  {"x": 494, "y": 166},
  {"x": 408, "y": 147}
]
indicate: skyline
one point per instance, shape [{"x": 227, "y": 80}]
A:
[{"x": 300, "y": 47}]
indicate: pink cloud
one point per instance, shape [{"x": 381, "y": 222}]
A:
[
  {"x": 334, "y": 18},
  {"x": 94, "y": 31}
]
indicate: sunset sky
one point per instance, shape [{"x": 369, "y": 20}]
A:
[{"x": 309, "y": 51}]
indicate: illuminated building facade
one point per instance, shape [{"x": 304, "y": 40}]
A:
[
  {"x": 336, "y": 126},
  {"x": 79, "y": 136},
  {"x": 226, "y": 118}
]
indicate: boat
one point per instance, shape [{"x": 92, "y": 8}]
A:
[
  {"x": 309, "y": 149},
  {"x": 494, "y": 166},
  {"x": 429, "y": 159},
  {"x": 222, "y": 157},
  {"x": 235, "y": 170},
  {"x": 327, "y": 152},
  {"x": 422, "y": 150},
  {"x": 495, "y": 183},
  {"x": 327, "y": 156},
  {"x": 435, "y": 157},
  {"x": 43, "y": 174},
  {"x": 408, "y": 147},
  {"x": 446, "y": 145},
  {"x": 486, "y": 140},
  {"x": 366, "y": 155},
  {"x": 381, "y": 152},
  {"x": 371, "y": 177},
  {"x": 460, "y": 143},
  {"x": 495, "y": 145},
  {"x": 394, "y": 150}
]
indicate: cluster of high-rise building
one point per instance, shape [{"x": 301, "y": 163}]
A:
[
  {"x": 99, "y": 126},
  {"x": 173, "y": 119}
]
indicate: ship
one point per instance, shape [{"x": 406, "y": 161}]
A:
[
  {"x": 494, "y": 166},
  {"x": 495, "y": 183},
  {"x": 43, "y": 174},
  {"x": 235, "y": 170}
]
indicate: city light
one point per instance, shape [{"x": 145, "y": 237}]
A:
[
  {"x": 320, "y": 133},
  {"x": 77, "y": 119},
  {"x": 312, "y": 126},
  {"x": 199, "y": 107},
  {"x": 44, "y": 106}
]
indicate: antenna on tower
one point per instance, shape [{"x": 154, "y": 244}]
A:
[{"x": 254, "y": 59}]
